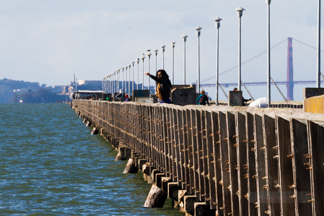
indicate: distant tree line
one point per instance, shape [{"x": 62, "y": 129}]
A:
[{"x": 12, "y": 91}]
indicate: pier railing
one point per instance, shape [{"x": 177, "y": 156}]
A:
[{"x": 240, "y": 161}]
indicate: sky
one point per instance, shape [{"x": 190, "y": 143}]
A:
[{"x": 50, "y": 41}]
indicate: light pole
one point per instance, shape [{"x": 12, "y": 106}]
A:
[
  {"x": 129, "y": 79},
  {"x": 156, "y": 52},
  {"x": 268, "y": 58},
  {"x": 118, "y": 80},
  {"x": 172, "y": 72},
  {"x": 143, "y": 57},
  {"x": 113, "y": 82},
  {"x": 137, "y": 61},
  {"x": 184, "y": 58},
  {"x": 149, "y": 66},
  {"x": 123, "y": 78},
  {"x": 133, "y": 63},
  {"x": 125, "y": 90},
  {"x": 239, "y": 14},
  {"x": 217, "y": 20},
  {"x": 318, "y": 81},
  {"x": 163, "y": 49},
  {"x": 198, "y": 30}
]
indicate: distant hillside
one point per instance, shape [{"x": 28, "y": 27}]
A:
[{"x": 12, "y": 91}]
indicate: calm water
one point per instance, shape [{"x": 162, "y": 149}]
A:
[{"x": 51, "y": 165}]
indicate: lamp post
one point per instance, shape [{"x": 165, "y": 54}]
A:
[
  {"x": 123, "y": 78},
  {"x": 172, "y": 72},
  {"x": 239, "y": 14},
  {"x": 137, "y": 61},
  {"x": 156, "y": 52},
  {"x": 149, "y": 67},
  {"x": 118, "y": 80},
  {"x": 143, "y": 57},
  {"x": 318, "y": 75},
  {"x": 129, "y": 79},
  {"x": 268, "y": 58},
  {"x": 217, "y": 20},
  {"x": 113, "y": 82},
  {"x": 163, "y": 49},
  {"x": 198, "y": 31},
  {"x": 126, "y": 89},
  {"x": 184, "y": 58},
  {"x": 133, "y": 63}
]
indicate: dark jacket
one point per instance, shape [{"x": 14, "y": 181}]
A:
[{"x": 165, "y": 86}]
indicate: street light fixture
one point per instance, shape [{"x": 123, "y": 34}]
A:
[
  {"x": 156, "y": 52},
  {"x": 137, "y": 61},
  {"x": 184, "y": 58},
  {"x": 217, "y": 20},
  {"x": 129, "y": 78},
  {"x": 163, "y": 49},
  {"x": 172, "y": 72},
  {"x": 239, "y": 14},
  {"x": 118, "y": 80},
  {"x": 149, "y": 68},
  {"x": 143, "y": 57},
  {"x": 123, "y": 78},
  {"x": 198, "y": 31},
  {"x": 133, "y": 63}
]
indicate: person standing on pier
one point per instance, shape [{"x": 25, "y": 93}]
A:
[
  {"x": 164, "y": 86},
  {"x": 202, "y": 98}
]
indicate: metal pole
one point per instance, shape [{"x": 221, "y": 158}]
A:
[
  {"x": 184, "y": 58},
  {"x": 198, "y": 29},
  {"x": 113, "y": 83},
  {"x": 239, "y": 57},
  {"x": 143, "y": 57},
  {"x": 269, "y": 56},
  {"x": 137, "y": 60},
  {"x": 129, "y": 79},
  {"x": 119, "y": 79},
  {"x": 217, "y": 20},
  {"x": 318, "y": 81},
  {"x": 133, "y": 63},
  {"x": 126, "y": 89},
  {"x": 239, "y": 14},
  {"x": 123, "y": 79},
  {"x": 163, "y": 49},
  {"x": 156, "y": 52},
  {"x": 109, "y": 84},
  {"x": 149, "y": 70},
  {"x": 172, "y": 72}
]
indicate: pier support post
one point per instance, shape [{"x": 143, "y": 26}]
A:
[
  {"x": 153, "y": 175},
  {"x": 94, "y": 131},
  {"x": 189, "y": 204},
  {"x": 156, "y": 198},
  {"x": 130, "y": 167},
  {"x": 146, "y": 170},
  {"x": 122, "y": 153},
  {"x": 201, "y": 209},
  {"x": 158, "y": 179},
  {"x": 164, "y": 183},
  {"x": 140, "y": 164}
]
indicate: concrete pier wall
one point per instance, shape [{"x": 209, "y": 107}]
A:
[{"x": 230, "y": 160}]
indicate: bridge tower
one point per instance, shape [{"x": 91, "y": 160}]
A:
[{"x": 290, "y": 71}]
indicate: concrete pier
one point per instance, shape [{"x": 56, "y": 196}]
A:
[{"x": 220, "y": 160}]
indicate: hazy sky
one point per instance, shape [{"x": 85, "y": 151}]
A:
[{"x": 49, "y": 41}]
